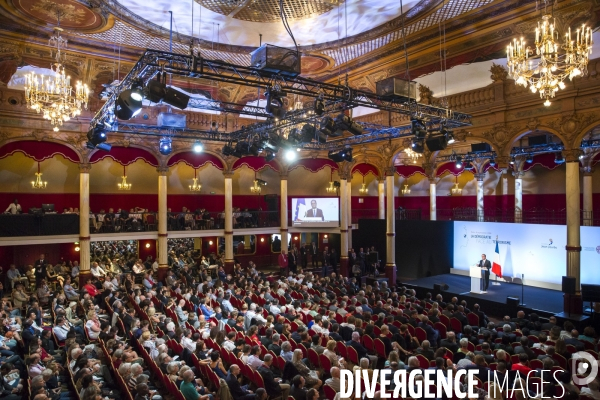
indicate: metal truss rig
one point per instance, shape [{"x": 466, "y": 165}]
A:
[{"x": 154, "y": 61}]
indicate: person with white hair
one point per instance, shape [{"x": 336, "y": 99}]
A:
[
  {"x": 136, "y": 370},
  {"x": 334, "y": 381}
]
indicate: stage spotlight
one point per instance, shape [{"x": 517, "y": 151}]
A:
[
  {"x": 275, "y": 106},
  {"x": 341, "y": 155},
  {"x": 157, "y": 91},
  {"x": 128, "y": 104},
  {"x": 436, "y": 142},
  {"x": 328, "y": 127},
  {"x": 307, "y": 133},
  {"x": 241, "y": 149},
  {"x": 345, "y": 123},
  {"x": 529, "y": 158},
  {"x": 492, "y": 162},
  {"x": 418, "y": 145},
  {"x": 319, "y": 107},
  {"x": 459, "y": 163},
  {"x": 512, "y": 160},
  {"x": 227, "y": 150},
  {"x": 104, "y": 147},
  {"x": 468, "y": 166},
  {"x": 558, "y": 158},
  {"x": 449, "y": 136},
  {"x": 418, "y": 128},
  {"x": 176, "y": 98},
  {"x": 269, "y": 155},
  {"x": 97, "y": 135},
  {"x": 290, "y": 154},
  {"x": 165, "y": 146},
  {"x": 294, "y": 139},
  {"x": 197, "y": 147}
]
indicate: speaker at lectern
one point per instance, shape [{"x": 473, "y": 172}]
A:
[{"x": 476, "y": 274}]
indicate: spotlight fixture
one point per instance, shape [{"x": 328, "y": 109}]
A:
[
  {"x": 436, "y": 142},
  {"x": 307, "y": 133},
  {"x": 529, "y": 158},
  {"x": 227, "y": 150},
  {"x": 157, "y": 91},
  {"x": 459, "y": 163},
  {"x": 319, "y": 107},
  {"x": 96, "y": 135},
  {"x": 512, "y": 160},
  {"x": 269, "y": 155},
  {"x": 468, "y": 166},
  {"x": 197, "y": 147},
  {"x": 418, "y": 145},
  {"x": 418, "y": 128},
  {"x": 492, "y": 162},
  {"x": 290, "y": 155},
  {"x": 345, "y": 123},
  {"x": 128, "y": 104},
  {"x": 340, "y": 155},
  {"x": 165, "y": 146},
  {"x": 558, "y": 158},
  {"x": 449, "y": 136},
  {"x": 328, "y": 127},
  {"x": 241, "y": 149},
  {"x": 275, "y": 106}
]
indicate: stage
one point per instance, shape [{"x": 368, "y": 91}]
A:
[{"x": 545, "y": 302}]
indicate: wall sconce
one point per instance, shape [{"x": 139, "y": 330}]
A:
[
  {"x": 77, "y": 248},
  {"x": 147, "y": 245},
  {"x": 210, "y": 242},
  {"x": 295, "y": 237},
  {"x": 325, "y": 236},
  {"x": 262, "y": 239}
]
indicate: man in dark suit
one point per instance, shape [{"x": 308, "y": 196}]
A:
[
  {"x": 524, "y": 348},
  {"x": 486, "y": 265},
  {"x": 40, "y": 268},
  {"x": 483, "y": 319},
  {"x": 450, "y": 342},
  {"x": 548, "y": 325},
  {"x": 361, "y": 351},
  {"x": 486, "y": 352},
  {"x": 304, "y": 255},
  {"x": 314, "y": 253},
  {"x": 314, "y": 212},
  {"x": 272, "y": 385},
  {"x": 298, "y": 392},
  {"x": 237, "y": 391}
]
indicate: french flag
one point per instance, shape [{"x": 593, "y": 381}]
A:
[
  {"x": 300, "y": 206},
  {"x": 496, "y": 267}
]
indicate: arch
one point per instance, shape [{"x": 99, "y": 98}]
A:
[
  {"x": 40, "y": 150},
  {"x": 314, "y": 164},
  {"x": 449, "y": 166},
  {"x": 579, "y": 138},
  {"x": 196, "y": 160},
  {"x": 255, "y": 163},
  {"x": 125, "y": 155},
  {"x": 511, "y": 142},
  {"x": 364, "y": 168}
]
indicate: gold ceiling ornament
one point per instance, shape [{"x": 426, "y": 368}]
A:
[
  {"x": 195, "y": 186},
  {"x": 38, "y": 184},
  {"x": 413, "y": 156},
  {"x": 53, "y": 96},
  {"x": 546, "y": 69},
  {"x": 124, "y": 185}
]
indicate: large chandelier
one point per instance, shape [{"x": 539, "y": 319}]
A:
[
  {"x": 38, "y": 184},
  {"x": 412, "y": 155},
  {"x": 195, "y": 186},
  {"x": 53, "y": 96},
  {"x": 547, "y": 69}
]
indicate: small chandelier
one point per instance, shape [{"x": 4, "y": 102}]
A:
[
  {"x": 547, "y": 69},
  {"x": 413, "y": 156},
  {"x": 456, "y": 190},
  {"x": 405, "y": 190},
  {"x": 124, "y": 185},
  {"x": 53, "y": 96},
  {"x": 38, "y": 184},
  {"x": 255, "y": 188},
  {"x": 195, "y": 186},
  {"x": 363, "y": 189}
]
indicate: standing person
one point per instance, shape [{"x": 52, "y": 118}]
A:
[
  {"x": 485, "y": 265},
  {"x": 326, "y": 261},
  {"x": 40, "y": 268},
  {"x": 14, "y": 208},
  {"x": 333, "y": 260},
  {"x": 314, "y": 253},
  {"x": 283, "y": 263},
  {"x": 292, "y": 260},
  {"x": 303, "y": 255}
]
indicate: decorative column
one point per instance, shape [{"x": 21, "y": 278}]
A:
[
  {"x": 84, "y": 222},
  {"x": 588, "y": 201},
  {"x": 283, "y": 226},
  {"x": 343, "y": 225},
  {"x": 432, "y": 200},
  {"x": 381, "y": 194},
  {"x": 479, "y": 177},
  {"x": 518, "y": 197},
  {"x": 573, "y": 226},
  {"x": 348, "y": 200},
  {"x": 163, "y": 255},
  {"x": 228, "y": 174},
  {"x": 390, "y": 262}
]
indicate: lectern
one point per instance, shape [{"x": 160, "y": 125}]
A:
[{"x": 476, "y": 275}]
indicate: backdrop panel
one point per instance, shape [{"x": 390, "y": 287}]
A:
[
  {"x": 535, "y": 250},
  {"x": 590, "y": 254}
]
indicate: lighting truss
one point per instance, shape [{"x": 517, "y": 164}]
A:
[{"x": 337, "y": 97}]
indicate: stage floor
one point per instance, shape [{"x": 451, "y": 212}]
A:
[{"x": 550, "y": 301}]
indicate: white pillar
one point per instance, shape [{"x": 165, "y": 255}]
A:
[
  {"x": 390, "y": 264},
  {"x": 343, "y": 226},
  {"x": 479, "y": 177},
  {"x": 228, "y": 220},
  {"x": 573, "y": 225},
  {"x": 381, "y": 194},
  {"x": 432, "y": 200},
  {"x": 284, "y": 214},
  {"x": 518, "y": 197},
  {"x": 84, "y": 222},
  {"x": 588, "y": 202},
  {"x": 348, "y": 199},
  {"x": 163, "y": 263}
]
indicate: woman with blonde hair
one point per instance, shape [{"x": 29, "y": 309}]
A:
[
  {"x": 311, "y": 377},
  {"x": 330, "y": 353}
]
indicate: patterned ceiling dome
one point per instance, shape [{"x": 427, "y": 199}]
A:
[{"x": 268, "y": 10}]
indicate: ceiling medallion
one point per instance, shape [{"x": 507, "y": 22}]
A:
[{"x": 268, "y": 10}]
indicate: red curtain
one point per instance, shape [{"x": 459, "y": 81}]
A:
[
  {"x": 39, "y": 151},
  {"x": 125, "y": 155}
]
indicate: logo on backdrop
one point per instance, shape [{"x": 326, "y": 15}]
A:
[
  {"x": 598, "y": 249},
  {"x": 550, "y": 245},
  {"x": 550, "y": 240}
]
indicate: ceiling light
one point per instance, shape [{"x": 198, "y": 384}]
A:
[
  {"x": 128, "y": 104},
  {"x": 227, "y": 150},
  {"x": 341, "y": 155},
  {"x": 512, "y": 160},
  {"x": 165, "y": 146},
  {"x": 418, "y": 128},
  {"x": 275, "y": 106},
  {"x": 558, "y": 158},
  {"x": 346, "y": 123},
  {"x": 319, "y": 107},
  {"x": 449, "y": 135},
  {"x": 198, "y": 147},
  {"x": 418, "y": 145},
  {"x": 459, "y": 163},
  {"x": 307, "y": 133},
  {"x": 529, "y": 158},
  {"x": 157, "y": 91},
  {"x": 492, "y": 162},
  {"x": 97, "y": 135},
  {"x": 328, "y": 127},
  {"x": 269, "y": 155},
  {"x": 290, "y": 155}
]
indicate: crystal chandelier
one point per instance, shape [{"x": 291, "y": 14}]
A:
[
  {"x": 195, "y": 186},
  {"x": 38, "y": 184},
  {"x": 405, "y": 190},
  {"x": 331, "y": 188},
  {"x": 363, "y": 189},
  {"x": 413, "y": 156},
  {"x": 255, "y": 188},
  {"x": 456, "y": 190},
  {"x": 124, "y": 185},
  {"x": 53, "y": 96},
  {"x": 552, "y": 63}
]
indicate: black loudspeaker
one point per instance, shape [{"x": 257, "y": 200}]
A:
[
  {"x": 436, "y": 142},
  {"x": 568, "y": 285},
  {"x": 271, "y": 200},
  {"x": 480, "y": 147},
  {"x": 438, "y": 287},
  {"x": 512, "y": 301}
]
